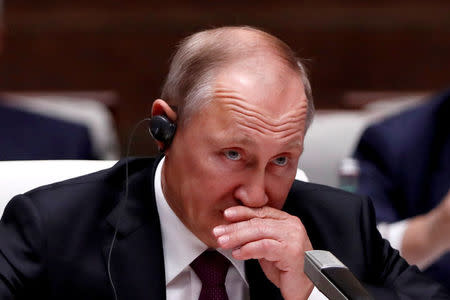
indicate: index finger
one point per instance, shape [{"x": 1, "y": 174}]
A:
[{"x": 242, "y": 213}]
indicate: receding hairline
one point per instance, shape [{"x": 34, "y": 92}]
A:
[
  {"x": 213, "y": 49},
  {"x": 244, "y": 40}
]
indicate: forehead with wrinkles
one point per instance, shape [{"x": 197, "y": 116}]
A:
[
  {"x": 262, "y": 95},
  {"x": 239, "y": 114},
  {"x": 263, "y": 86}
]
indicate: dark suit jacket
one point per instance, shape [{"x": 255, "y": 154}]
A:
[
  {"x": 54, "y": 240},
  {"x": 405, "y": 166},
  {"x": 26, "y": 135}
]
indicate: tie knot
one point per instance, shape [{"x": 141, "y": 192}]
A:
[{"x": 211, "y": 268}]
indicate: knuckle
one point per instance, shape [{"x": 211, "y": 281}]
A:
[
  {"x": 265, "y": 244},
  {"x": 295, "y": 220},
  {"x": 255, "y": 222},
  {"x": 261, "y": 212},
  {"x": 287, "y": 248},
  {"x": 263, "y": 229},
  {"x": 235, "y": 227},
  {"x": 295, "y": 224},
  {"x": 259, "y": 226}
]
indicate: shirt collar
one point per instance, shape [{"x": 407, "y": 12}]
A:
[{"x": 180, "y": 245}]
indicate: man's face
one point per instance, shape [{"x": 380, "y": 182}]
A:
[{"x": 240, "y": 149}]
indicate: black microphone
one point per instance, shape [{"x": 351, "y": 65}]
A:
[{"x": 332, "y": 277}]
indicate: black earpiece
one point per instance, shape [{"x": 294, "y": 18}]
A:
[{"x": 162, "y": 129}]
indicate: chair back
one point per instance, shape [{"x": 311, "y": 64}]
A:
[{"x": 18, "y": 177}]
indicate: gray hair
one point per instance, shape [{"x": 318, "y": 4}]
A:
[{"x": 188, "y": 85}]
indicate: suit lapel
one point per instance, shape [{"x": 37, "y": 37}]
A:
[
  {"x": 260, "y": 286},
  {"x": 137, "y": 260}
]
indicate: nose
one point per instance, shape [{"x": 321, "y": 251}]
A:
[{"x": 252, "y": 191}]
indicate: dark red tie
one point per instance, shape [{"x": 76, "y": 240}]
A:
[{"x": 211, "y": 267}]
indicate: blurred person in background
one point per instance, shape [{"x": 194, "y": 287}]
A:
[
  {"x": 27, "y": 135},
  {"x": 405, "y": 169}
]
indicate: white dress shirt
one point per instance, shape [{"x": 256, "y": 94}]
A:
[{"x": 181, "y": 247}]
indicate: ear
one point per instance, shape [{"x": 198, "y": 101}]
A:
[{"x": 160, "y": 107}]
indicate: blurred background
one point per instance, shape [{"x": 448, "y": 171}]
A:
[
  {"x": 76, "y": 75},
  {"x": 117, "y": 52}
]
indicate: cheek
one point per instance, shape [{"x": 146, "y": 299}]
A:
[
  {"x": 278, "y": 192},
  {"x": 211, "y": 186},
  {"x": 215, "y": 173}
]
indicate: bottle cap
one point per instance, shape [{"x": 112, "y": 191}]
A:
[{"x": 349, "y": 167}]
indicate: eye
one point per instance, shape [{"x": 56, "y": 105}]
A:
[
  {"x": 280, "y": 161},
  {"x": 232, "y": 154}
]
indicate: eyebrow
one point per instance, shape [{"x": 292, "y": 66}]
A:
[
  {"x": 243, "y": 140},
  {"x": 248, "y": 141}
]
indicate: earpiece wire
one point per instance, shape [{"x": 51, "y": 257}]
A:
[{"x": 122, "y": 207}]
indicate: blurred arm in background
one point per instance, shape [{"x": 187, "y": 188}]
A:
[{"x": 405, "y": 169}]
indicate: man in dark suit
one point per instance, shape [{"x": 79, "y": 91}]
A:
[
  {"x": 225, "y": 182},
  {"x": 405, "y": 169},
  {"x": 25, "y": 135}
]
